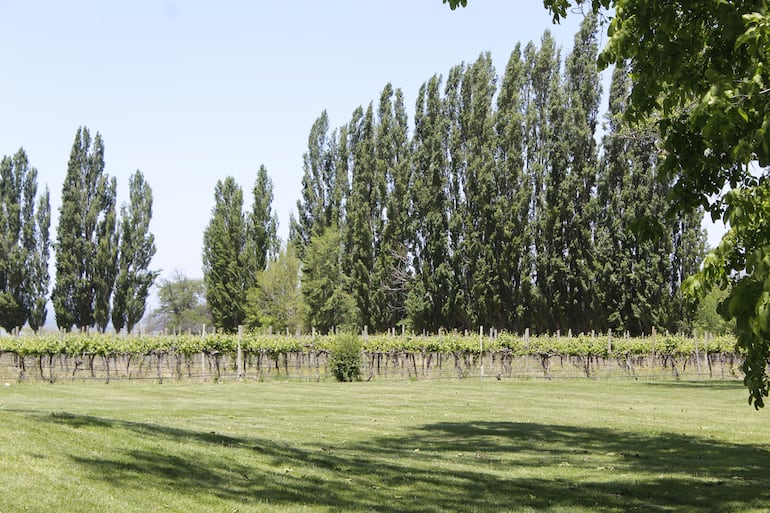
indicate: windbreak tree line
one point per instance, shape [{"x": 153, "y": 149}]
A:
[
  {"x": 498, "y": 209},
  {"x": 102, "y": 259},
  {"x": 703, "y": 86}
]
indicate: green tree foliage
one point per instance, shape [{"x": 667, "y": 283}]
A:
[
  {"x": 473, "y": 195},
  {"x": 364, "y": 220},
  {"x": 455, "y": 173},
  {"x": 225, "y": 261},
  {"x": 480, "y": 285},
  {"x": 503, "y": 187},
  {"x": 39, "y": 278},
  {"x": 182, "y": 305},
  {"x": 513, "y": 235},
  {"x": 391, "y": 274},
  {"x": 261, "y": 224},
  {"x": 327, "y": 289},
  {"x": 582, "y": 96},
  {"x": 106, "y": 257},
  {"x": 357, "y": 180},
  {"x": 633, "y": 265},
  {"x": 236, "y": 248},
  {"x": 631, "y": 268},
  {"x": 85, "y": 240},
  {"x": 707, "y": 317},
  {"x": 277, "y": 298},
  {"x": 744, "y": 247},
  {"x": 701, "y": 77},
  {"x": 429, "y": 301},
  {"x": 545, "y": 153},
  {"x": 137, "y": 247},
  {"x": 24, "y": 244},
  {"x": 324, "y": 184}
]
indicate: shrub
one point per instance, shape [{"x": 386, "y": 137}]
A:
[{"x": 345, "y": 358}]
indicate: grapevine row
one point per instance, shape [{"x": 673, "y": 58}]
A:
[{"x": 583, "y": 345}]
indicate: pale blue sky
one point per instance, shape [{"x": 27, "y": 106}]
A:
[{"x": 191, "y": 92}]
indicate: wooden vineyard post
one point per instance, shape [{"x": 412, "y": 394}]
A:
[
  {"x": 697, "y": 356},
  {"x": 653, "y": 348},
  {"x": 239, "y": 356},
  {"x": 526, "y": 351},
  {"x": 203, "y": 352},
  {"x": 481, "y": 349}
]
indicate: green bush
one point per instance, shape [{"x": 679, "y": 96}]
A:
[
  {"x": 345, "y": 358},
  {"x": 707, "y": 317}
]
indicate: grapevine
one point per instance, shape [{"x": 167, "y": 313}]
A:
[{"x": 599, "y": 346}]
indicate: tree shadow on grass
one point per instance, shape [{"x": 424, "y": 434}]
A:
[
  {"x": 441, "y": 467},
  {"x": 715, "y": 384}
]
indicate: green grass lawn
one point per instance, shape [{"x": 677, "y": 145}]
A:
[{"x": 449, "y": 446}]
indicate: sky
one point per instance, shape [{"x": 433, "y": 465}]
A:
[{"x": 192, "y": 92}]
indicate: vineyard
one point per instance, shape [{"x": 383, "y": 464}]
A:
[{"x": 254, "y": 356}]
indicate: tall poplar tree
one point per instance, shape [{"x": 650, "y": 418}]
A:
[
  {"x": 324, "y": 184},
  {"x": 317, "y": 234},
  {"x": 429, "y": 301},
  {"x": 582, "y": 95},
  {"x": 391, "y": 273},
  {"x": 137, "y": 247},
  {"x": 540, "y": 93},
  {"x": 480, "y": 280},
  {"x": 633, "y": 269},
  {"x": 639, "y": 276},
  {"x": 513, "y": 236},
  {"x": 619, "y": 176},
  {"x": 39, "y": 277},
  {"x": 106, "y": 258},
  {"x": 364, "y": 214},
  {"x": 225, "y": 263},
  {"x": 261, "y": 251},
  {"x": 261, "y": 225},
  {"x": 688, "y": 251},
  {"x": 455, "y": 172},
  {"x": 86, "y": 228},
  {"x": 23, "y": 252},
  {"x": 555, "y": 280}
]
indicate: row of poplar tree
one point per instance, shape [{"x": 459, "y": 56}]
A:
[
  {"x": 498, "y": 209},
  {"x": 102, "y": 259}
]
